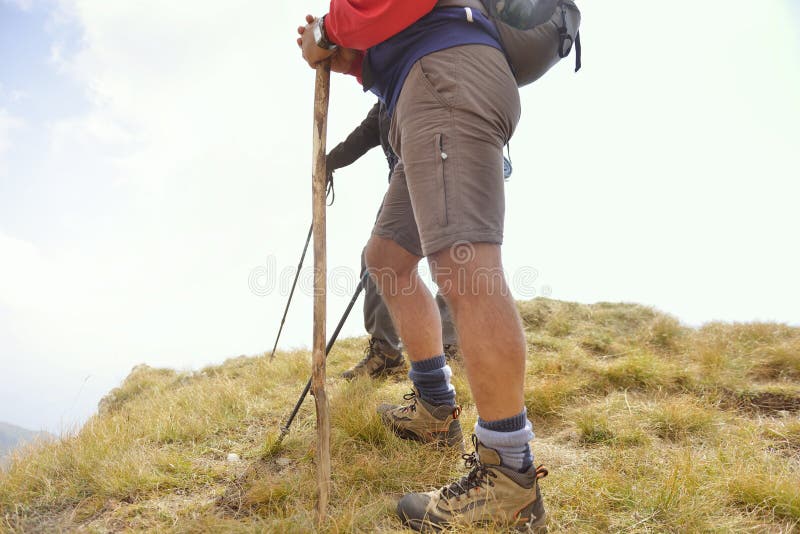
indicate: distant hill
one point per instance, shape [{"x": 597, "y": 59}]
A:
[{"x": 12, "y": 436}]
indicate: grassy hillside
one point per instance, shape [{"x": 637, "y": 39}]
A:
[{"x": 645, "y": 426}]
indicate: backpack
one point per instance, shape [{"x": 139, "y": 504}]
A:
[{"x": 535, "y": 34}]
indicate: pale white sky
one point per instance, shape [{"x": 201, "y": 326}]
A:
[{"x": 153, "y": 155}]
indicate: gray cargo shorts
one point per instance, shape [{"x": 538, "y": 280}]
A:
[{"x": 457, "y": 109}]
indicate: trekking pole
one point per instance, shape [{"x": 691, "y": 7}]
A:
[
  {"x": 323, "y": 457},
  {"x": 328, "y": 348},
  {"x": 291, "y": 293},
  {"x": 328, "y": 192}
]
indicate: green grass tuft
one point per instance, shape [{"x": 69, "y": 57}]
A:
[{"x": 680, "y": 418}]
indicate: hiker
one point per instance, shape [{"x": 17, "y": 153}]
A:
[
  {"x": 447, "y": 84},
  {"x": 383, "y": 355}
]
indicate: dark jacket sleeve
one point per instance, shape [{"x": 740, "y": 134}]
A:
[{"x": 358, "y": 143}]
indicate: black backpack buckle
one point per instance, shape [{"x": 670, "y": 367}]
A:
[
  {"x": 563, "y": 36},
  {"x": 565, "y": 40},
  {"x": 565, "y": 43}
]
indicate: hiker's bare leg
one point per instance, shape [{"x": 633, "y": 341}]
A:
[
  {"x": 488, "y": 324},
  {"x": 412, "y": 306}
]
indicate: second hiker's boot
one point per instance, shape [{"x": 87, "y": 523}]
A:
[
  {"x": 489, "y": 494},
  {"x": 422, "y": 421},
  {"x": 380, "y": 359},
  {"x": 452, "y": 352}
]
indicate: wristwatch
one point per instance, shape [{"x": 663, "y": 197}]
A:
[{"x": 320, "y": 36}]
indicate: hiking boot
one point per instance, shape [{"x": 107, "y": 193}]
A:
[
  {"x": 380, "y": 359},
  {"x": 489, "y": 494},
  {"x": 422, "y": 421},
  {"x": 451, "y": 352}
]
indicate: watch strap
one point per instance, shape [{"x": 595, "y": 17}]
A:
[{"x": 322, "y": 37}]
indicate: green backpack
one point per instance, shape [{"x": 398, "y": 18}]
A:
[{"x": 535, "y": 34}]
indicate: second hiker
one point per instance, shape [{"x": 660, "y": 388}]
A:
[{"x": 384, "y": 353}]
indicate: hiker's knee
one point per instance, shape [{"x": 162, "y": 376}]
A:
[
  {"x": 385, "y": 258},
  {"x": 468, "y": 270}
]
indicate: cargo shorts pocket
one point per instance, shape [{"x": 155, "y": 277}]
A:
[{"x": 441, "y": 164}]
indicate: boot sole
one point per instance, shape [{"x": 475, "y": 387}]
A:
[
  {"x": 424, "y": 525},
  {"x": 441, "y": 442},
  {"x": 380, "y": 374},
  {"x": 389, "y": 371},
  {"x": 539, "y": 526}
]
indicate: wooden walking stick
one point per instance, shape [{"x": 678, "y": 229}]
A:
[{"x": 321, "y": 96}]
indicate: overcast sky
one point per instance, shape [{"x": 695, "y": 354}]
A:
[{"x": 155, "y": 164}]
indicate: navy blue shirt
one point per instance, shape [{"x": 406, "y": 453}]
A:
[{"x": 388, "y": 63}]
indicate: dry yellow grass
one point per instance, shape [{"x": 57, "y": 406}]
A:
[{"x": 645, "y": 426}]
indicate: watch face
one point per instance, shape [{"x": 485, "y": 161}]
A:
[{"x": 318, "y": 33}]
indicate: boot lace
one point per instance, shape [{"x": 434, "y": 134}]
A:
[
  {"x": 478, "y": 475},
  {"x": 410, "y": 396},
  {"x": 369, "y": 353}
]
